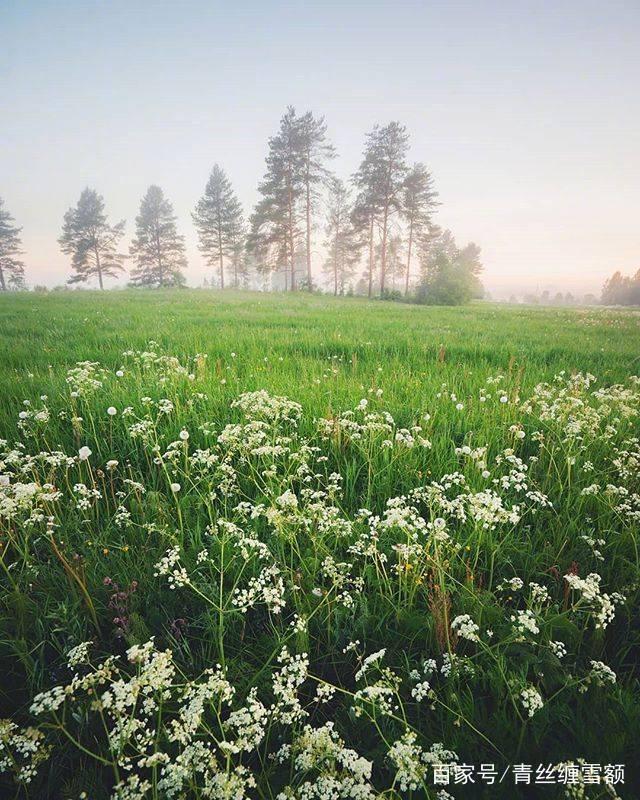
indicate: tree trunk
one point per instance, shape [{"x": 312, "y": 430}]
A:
[
  {"x": 3, "y": 286},
  {"x": 383, "y": 252},
  {"x": 406, "y": 283},
  {"x": 335, "y": 268},
  {"x": 98, "y": 267},
  {"x": 286, "y": 265},
  {"x": 308, "y": 187},
  {"x": 291, "y": 253},
  {"x": 220, "y": 258},
  {"x": 371, "y": 256},
  {"x": 159, "y": 254}
]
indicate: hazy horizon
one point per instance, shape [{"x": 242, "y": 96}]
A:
[{"x": 527, "y": 115}]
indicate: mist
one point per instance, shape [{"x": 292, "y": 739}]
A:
[{"x": 528, "y": 123}]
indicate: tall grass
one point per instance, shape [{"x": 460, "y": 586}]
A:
[{"x": 418, "y": 492}]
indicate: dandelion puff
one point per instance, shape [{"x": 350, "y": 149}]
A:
[
  {"x": 84, "y": 453},
  {"x": 112, "y": 411},
  {"x": 175, "y": 487}
]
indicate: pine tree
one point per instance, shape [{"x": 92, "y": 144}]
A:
[
  {"x": 315, "y": 152},
  {"x": 90, "y": 241},
  {"x": 158, "y": 248},
  {"x": 380, "y": 180},
  {"x": 240, "y": 262},
  {"x": 343, "y": 248},
  {"x": 363, "y": 218},
  {"x": 275, "y": 223},
  {"x": 11, "y": 268},
  {"x": 220, "y": 225},
  {"x": 418, "y": 203},
  {"x": 395, "y": 262}
]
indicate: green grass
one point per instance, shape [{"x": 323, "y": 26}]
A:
[{"x": 326, "y": 355}]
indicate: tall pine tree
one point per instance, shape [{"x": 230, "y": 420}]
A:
[
  {"x": 342, "y": 246},
  {"x": 418, "y": 203},
  {"x": 90, "y": 241},
  {"x": 275, "y": 223},
  {"x": 315, "y": 152},
  {"x": 220, "y": 225},
  {"x": 380, "y": 180},
  {"x": 11, "y": 268},
  {"x": 366, "y": 213},
  {"x": 157, "y": 248}
]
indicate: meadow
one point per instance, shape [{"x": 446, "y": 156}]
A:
[{"x": 290, "y": 546}]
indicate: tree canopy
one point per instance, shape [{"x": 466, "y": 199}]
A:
[
  {"x": 157, "y": 248},
  {"x": 11, "y": 267},
  {"x": 91, "y": 241}
]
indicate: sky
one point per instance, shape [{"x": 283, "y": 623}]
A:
[{"x": 526, "y": 113}]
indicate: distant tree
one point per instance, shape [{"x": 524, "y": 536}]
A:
[
  {"x": 268, "y": 243},
  {"x": 589, "y": 299},
  {"x": 16, "y": 282},
  {"x": 622, "y": 290},
  {"x": 364, "y": 221},
  {"x": 315, "y": 152},
  {"x": 444, "y": 283},
  {"x": 220, "y": 224},
  {"x": 449, "y": 275},
  {"x": 157, "y": 247},
  {"x": 90, "y": 241},
  {"x": 418, "y": 203},
  {"x": 633, "y": 298},
  {"x": 380, "y": 179},
  {"x": 275, "y": 231},
  {"x": 469, "y": 256},
  {"x": 396, "y": 264},
  {"x": 341, "y": 242},
  {"x": 11, "y": 267},
  {"x": 240, "y": 263}
]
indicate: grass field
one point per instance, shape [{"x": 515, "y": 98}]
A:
[{"x": 354, "y": 547}]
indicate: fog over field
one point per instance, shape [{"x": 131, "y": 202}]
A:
[{"x": 527, "y": 118}]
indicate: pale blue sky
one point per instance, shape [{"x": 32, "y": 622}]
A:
[{"x": 527, "y": 113}]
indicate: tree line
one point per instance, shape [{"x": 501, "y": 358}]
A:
[
  {"x": 622, "y": 290},
  {"x": 379, "y": 240}
]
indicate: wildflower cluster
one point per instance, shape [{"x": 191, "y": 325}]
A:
[{"x": 308, "y": 605}]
